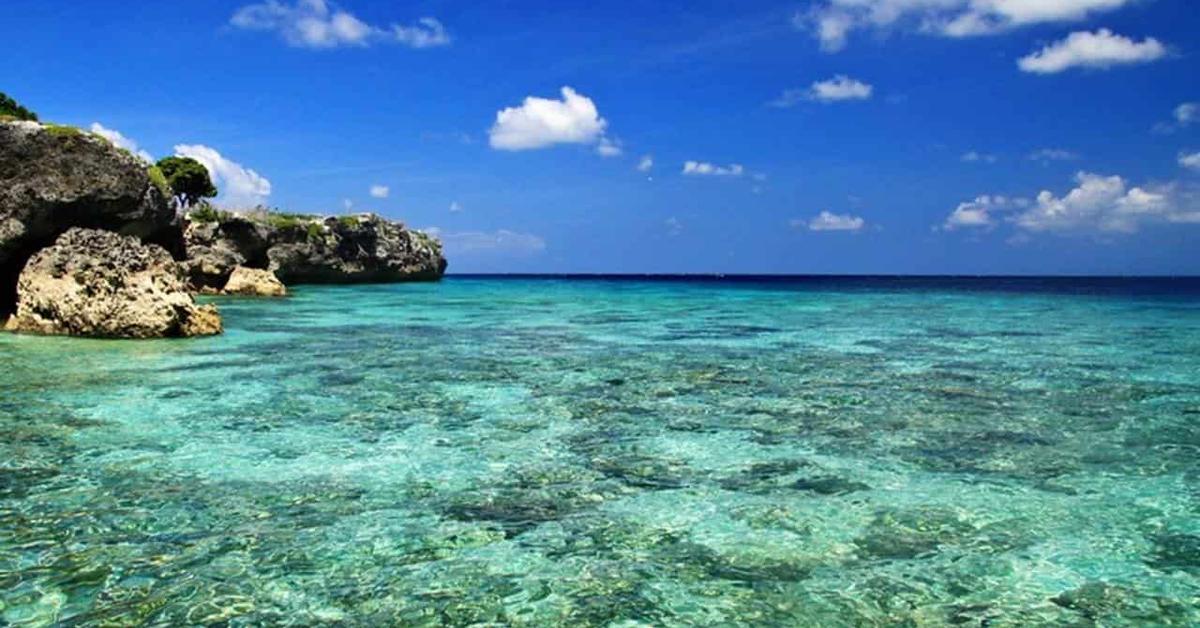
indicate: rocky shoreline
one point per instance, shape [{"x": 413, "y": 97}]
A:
[{"x": 92, "y": 245}]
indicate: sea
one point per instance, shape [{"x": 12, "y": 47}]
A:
[{"x": 618, "y": 451}]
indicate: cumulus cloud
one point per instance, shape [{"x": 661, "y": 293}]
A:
[
  {"x": 239, "y": 186},
  {"x": 608, "y": 148},
  {"x": 320, "y": 24},
  {"x": 832, "y": 21},
  {"x": 829, "y": 221},
  {"x": 1097, "y": 203},
  {"x": 380, "y": 191},
  {"x": 837, "y": 89},
  {"x": 1101, "y": 50},
  {"x": 976, "y": 214},
  {"x": 1190, "y": 161},
  {"x": 499, "y": 242},
  {"x": 977, "y": 157},
  {"x": 706, "y": 169},
  {"x": 120, "y": 141},
  {"x": 455, "y": 207},
  {"x": 542, "y": 122},
  {"x": 646, "y": 164}
]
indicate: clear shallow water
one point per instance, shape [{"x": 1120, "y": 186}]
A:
[{"x": 538, "y": 452}]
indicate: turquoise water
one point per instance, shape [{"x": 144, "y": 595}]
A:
[{"x": 538, "y": 452}]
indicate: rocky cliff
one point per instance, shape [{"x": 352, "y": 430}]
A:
[
  {"x": 309, "y": 249},
  {"x": 53, "y": 178}
]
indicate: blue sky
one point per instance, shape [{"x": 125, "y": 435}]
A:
[{"x": 829, "y": 136}]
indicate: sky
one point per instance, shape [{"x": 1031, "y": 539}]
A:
[{"x": 822, "y": 136}]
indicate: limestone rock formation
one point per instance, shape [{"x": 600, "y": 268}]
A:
[
  {"x": 308, "y": 249},
  {"x": 351, "y": 249},
  {"x": 254, "y": 282},
  {"x": 213, "y": 249},
  {"x": 53, "y": 178},
  {"x": 101, "y": 284}
]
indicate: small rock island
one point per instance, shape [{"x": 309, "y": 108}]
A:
[{"x": 93, "y": 243}]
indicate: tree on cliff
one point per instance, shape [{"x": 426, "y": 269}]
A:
[
  {"x": 188, "y": 179},
  {"x": 10, "y": 107}
]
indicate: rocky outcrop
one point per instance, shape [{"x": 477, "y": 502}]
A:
[
  {"x": 53, "y": 178},
  {"x": 304, "y": 249},
  {"x": 254, "y": 282},
  {"x": 350, "y": 249},
  {"x": 101, "y": 284},
  {"x": 213, "y": 249}
]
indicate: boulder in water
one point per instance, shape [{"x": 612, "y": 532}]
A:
[{"x": 102, "y": 284}]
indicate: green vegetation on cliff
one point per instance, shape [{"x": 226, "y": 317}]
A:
[
  {"x": 11, "y": 110},
  {"x": 62, "y": 130}
]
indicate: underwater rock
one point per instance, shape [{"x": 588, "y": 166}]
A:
[
  {"x": 829, "y": 485},
  {"x": 254, "y": 282},
  {"x": 100, "y": 284},
  {"x": 911, "y": 533},
  {"x": 1176, "y": 552},
  {"x": 53, "y": 178},
  {"x": 1101, "y": 601}
]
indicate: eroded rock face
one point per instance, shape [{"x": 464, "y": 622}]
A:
[
  {"x": 214, "y": 249},
  {"x": 101, "y": 284},
  {"x": 349, "y": 249},
  {"x": 344, "y": 249},
  {"x": 55, "y": 178},
  {"x": 254, "y": 282}
]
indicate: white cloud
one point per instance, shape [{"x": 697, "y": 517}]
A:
[
  {"x": 120, "y": 141},
  {"x": 1184, "y": 116},
  {"x": 542, "y": 122},
  {"x": 832, "y": 21},
  {"x": 608, "y": 148},
  {"x": 840, "y": 87},
  {"x": 837, "y": 89},
  {"x": 646, "y": 164},
  {"x": 703, "y": 168},
  {"x": 320, "y": 24},
  {"x": 1190, "y": 161},
  {"x": 502, "y": 242},
  {"x": 455, "y": 207},
  {"x": 348, "y": 204},
  {"x": 380, "y": 191},
  {"x": 1104, "y": 203},
  {"x": 239, "y": 186},
  {"x": 1046, "y": 155},
  {"x": 674, "y": 227},
  {"x": 977, "y": 157},
  {"x": 828, "y": 221},
  {"x": 426, "y": 33},
  {"x": 1187, "y": 113},
  {"x": 976, "y": 213},
  {"x": 1101, "y": 49},
  {"x": 1097, "y": 204}
]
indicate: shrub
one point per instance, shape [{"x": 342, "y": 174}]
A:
[
  {"x": 315, "y": 230},
  {"x": 349, "y": 222},
  {"x": 10, "y": 109},
  {"x": 62, "y": 130},
  {"x": 281, "y": 220},
  {"x": 159, "y": 180},
  {"x": 204, "y": 212}
]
